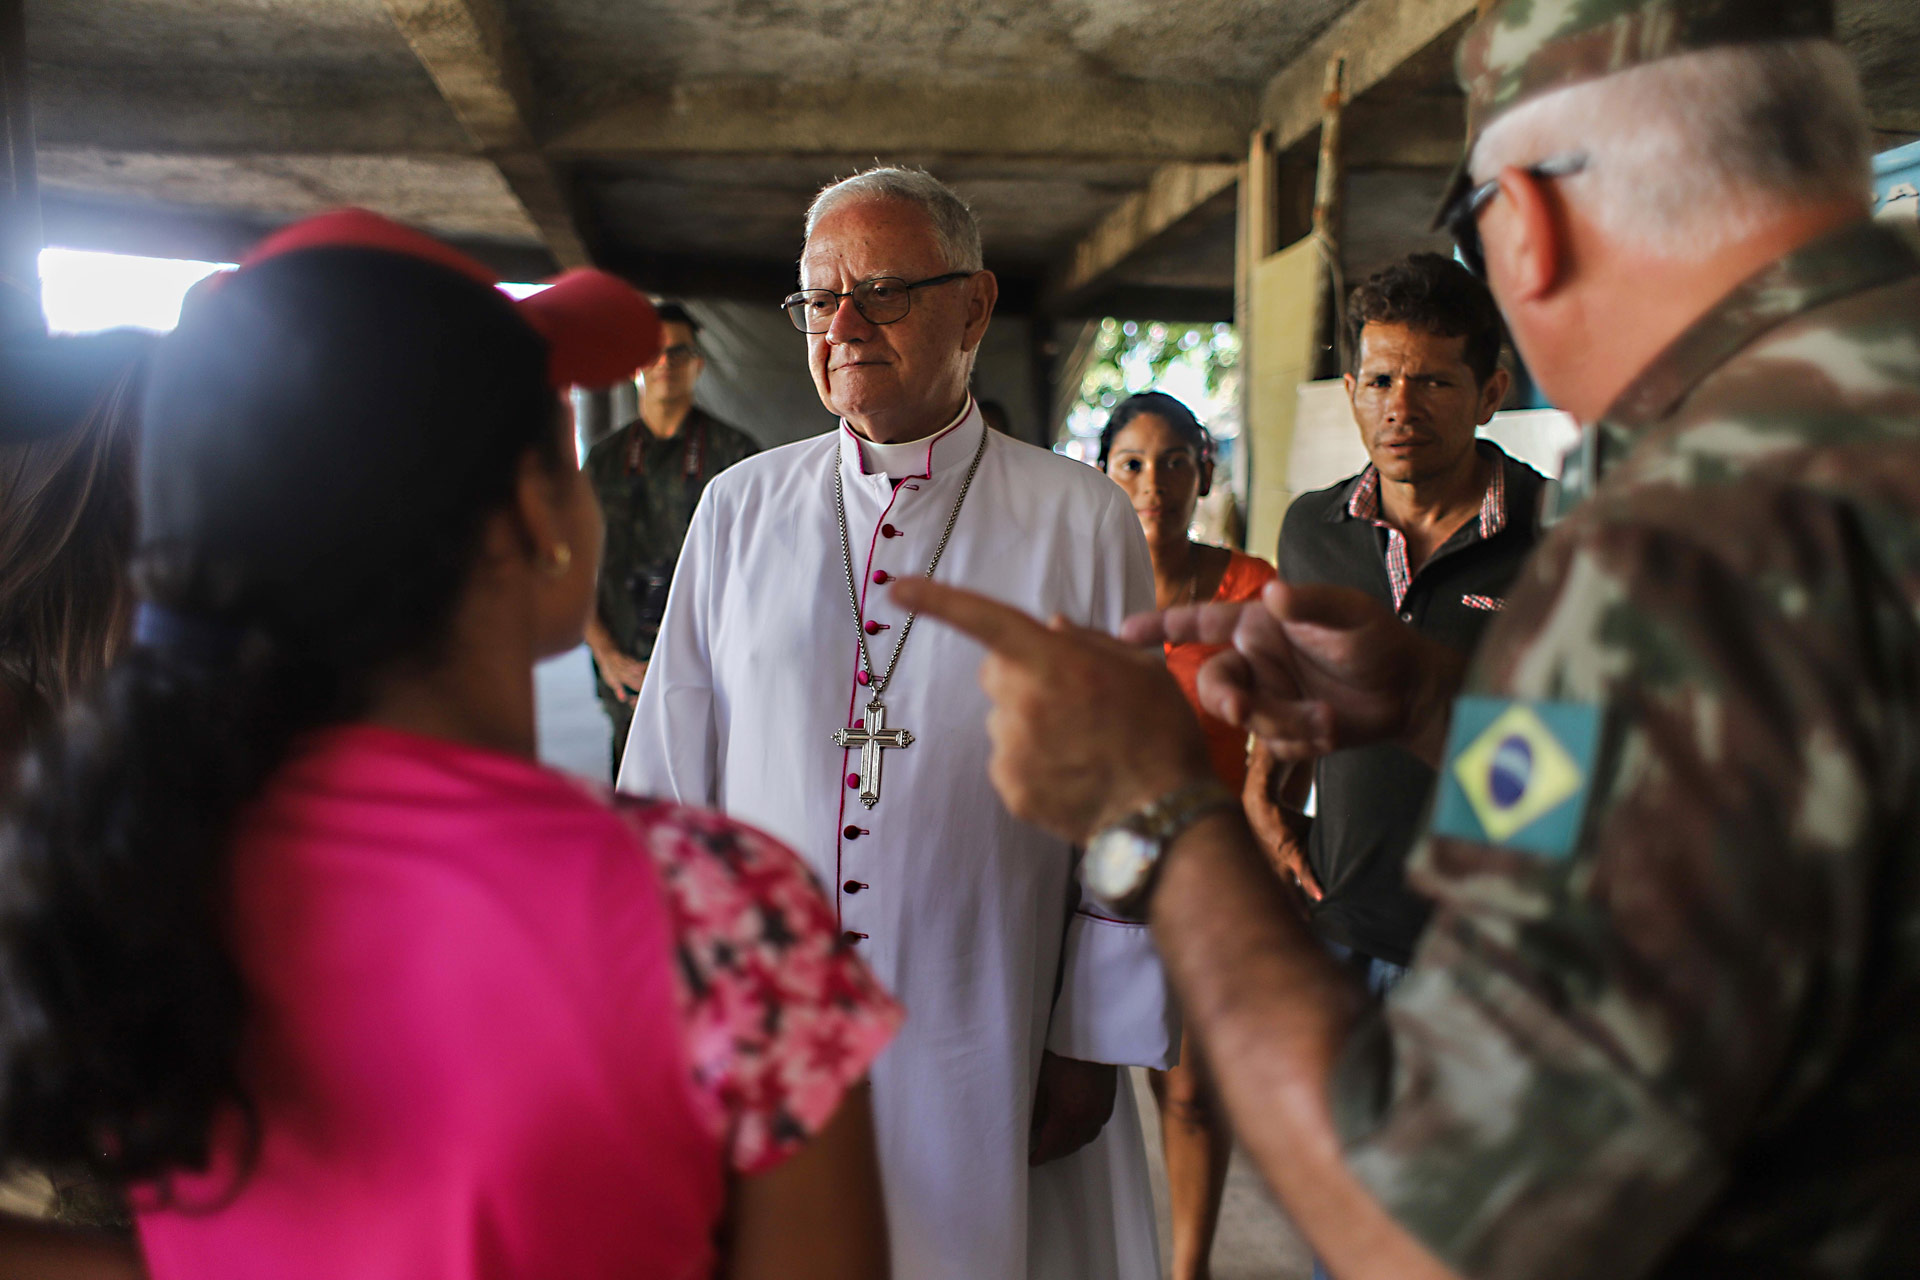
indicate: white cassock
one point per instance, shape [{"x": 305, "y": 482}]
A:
[{"x": 971, "y": 917}]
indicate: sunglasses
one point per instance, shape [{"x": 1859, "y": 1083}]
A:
[{"x": 1462, "y": 217}]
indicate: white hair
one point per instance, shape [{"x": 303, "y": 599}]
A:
[
  {"x": 1691, "y": 153},
  {"x": 954, "y": 228}
]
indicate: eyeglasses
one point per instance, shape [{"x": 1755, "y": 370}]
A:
[
  {"x": 881, "y": 300},
  {"x": 680, "y": 353},
  {"x": 1462, "y": 219}
]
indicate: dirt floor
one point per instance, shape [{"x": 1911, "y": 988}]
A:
[{"x": 1255, "y": 1242}]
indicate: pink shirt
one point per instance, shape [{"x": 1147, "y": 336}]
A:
[{"x": 504, "y": 1027}]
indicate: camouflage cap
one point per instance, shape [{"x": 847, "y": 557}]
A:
[{"x": 1521, "y": 49}]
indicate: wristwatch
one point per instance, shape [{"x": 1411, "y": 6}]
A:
[{"x": 1122, "y": 861}]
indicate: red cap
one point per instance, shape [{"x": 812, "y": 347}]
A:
[{"x": 599, "y": 328}]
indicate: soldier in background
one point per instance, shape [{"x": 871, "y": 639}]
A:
[
  {"x": 649, "y": 475},
  {"x": 1666, "y": 1020}
]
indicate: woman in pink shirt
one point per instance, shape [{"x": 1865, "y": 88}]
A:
[{"x": 296, "y": 938}]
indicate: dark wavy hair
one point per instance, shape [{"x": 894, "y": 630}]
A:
[
  {"x": 1163, "y": 406},
  {"x": 66, "y": 530},
  {"x": 1432, "y": 294},
  {"x": 325, "y": 436}
]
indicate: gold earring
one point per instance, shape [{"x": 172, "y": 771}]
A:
[{"x": 560, "y": 561}]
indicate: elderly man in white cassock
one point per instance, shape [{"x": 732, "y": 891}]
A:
[{"x": 786, "y": 691}]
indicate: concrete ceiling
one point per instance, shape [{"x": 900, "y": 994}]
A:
[
  {"x": 681, "y": 142},
  {"x": 686, "y": 138}
]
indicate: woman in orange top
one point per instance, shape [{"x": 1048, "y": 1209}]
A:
[{"x": 1157, "y": 451}]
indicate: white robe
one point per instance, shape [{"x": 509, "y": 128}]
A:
[{"x": 971, "y": 917}]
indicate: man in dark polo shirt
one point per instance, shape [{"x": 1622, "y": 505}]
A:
[
  {"x": 648, "y": 476},
  {"x": 1437, "y": 527}
]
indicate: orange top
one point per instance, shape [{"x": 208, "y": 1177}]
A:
[{"x": 1244, "y": 578}]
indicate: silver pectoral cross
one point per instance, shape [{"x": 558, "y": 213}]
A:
[{"x": 872, "y": 738}]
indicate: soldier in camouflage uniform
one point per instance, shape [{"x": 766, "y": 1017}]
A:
[
  {"x": 1666, "y": 1020},
  {"x": 649, "y": 475}
]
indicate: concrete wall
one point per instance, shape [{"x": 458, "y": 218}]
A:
[{"x": 757, "y": 376}]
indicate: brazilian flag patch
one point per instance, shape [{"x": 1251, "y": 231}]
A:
[{"x": 1518, "y": 773}]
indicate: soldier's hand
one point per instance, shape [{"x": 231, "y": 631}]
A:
[
  {"x": 1314, "y": 668},
  {"x": 1085, "y": 729}
]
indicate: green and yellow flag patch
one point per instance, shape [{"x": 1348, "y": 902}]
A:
[{"x": 1518, "y": 773}]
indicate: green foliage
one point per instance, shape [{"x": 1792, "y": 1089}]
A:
[{"x": 1133, "y": 355}]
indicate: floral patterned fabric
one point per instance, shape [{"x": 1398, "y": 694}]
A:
[{"x": 779, "y": 1017}]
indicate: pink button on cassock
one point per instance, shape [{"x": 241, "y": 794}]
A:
[
  {"x": 881, "y": 575},
  {"x": 853, "y": 779},
  {"x": 864, "y": 678},
  {"x": 888, "y": 531},
  {"x": 873, "y": 628}
]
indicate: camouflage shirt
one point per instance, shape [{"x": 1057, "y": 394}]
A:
[
  {"x": 1666, "y": 1020},
  {"x": 647, "y": 494}
]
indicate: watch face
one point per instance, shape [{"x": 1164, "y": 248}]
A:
[{"x": 1117, "y": 863}]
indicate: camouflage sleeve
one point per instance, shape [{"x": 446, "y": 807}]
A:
[{"x": 1651, "y": 837}]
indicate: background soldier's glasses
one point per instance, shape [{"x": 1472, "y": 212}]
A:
[
  {"x": 680, "y": 353},
  {"x": 881, "y": 300},
  {"x": 1463, "y": 218}
]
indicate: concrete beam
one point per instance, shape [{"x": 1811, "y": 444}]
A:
[
  {"x": 1403, "y": 133},
  {"x": 473, "y": 56},
  {"x": 241, "y": 112},
  {"x": 1375, "y": 37},
  {"x": 1176, "y": 194},
  {"x": 447, "y": 194},
  {"x": 165, "y": 229},
  {"x": 19, "y": 188},
  {"x": 1075, "y": 120},
  {"x": 1155, "y": 302}
]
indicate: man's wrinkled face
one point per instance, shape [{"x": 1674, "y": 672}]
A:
[
  {"x": 1417, "y": 402},
  {"x": 887, "y": 380}
]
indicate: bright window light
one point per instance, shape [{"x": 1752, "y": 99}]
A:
[{"x": 83, "y": 291}]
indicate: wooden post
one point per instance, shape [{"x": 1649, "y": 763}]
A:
[
  {"x": 1257, "y": 230},
  {"x": 20, "y": 233},
  {"x": 1328, "y": 183}
]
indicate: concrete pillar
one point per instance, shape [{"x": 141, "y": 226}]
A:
[
  {"x": 1043, "y": 344},
  {"x": 592, "y": 417},
  {"x": 20, "y": 233},
  {"x": 624, "y": 402}
]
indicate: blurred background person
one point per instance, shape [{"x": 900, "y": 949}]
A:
[
  {"x": 1156, "y": 450},
  {"x": 298, "y": 940},
  {"x": 648, "y": 476}
]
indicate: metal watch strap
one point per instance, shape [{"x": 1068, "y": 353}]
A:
[{"x": 1166, "y": 818}]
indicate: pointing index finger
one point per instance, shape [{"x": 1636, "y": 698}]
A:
[{"x": 1002, "y": 628}]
